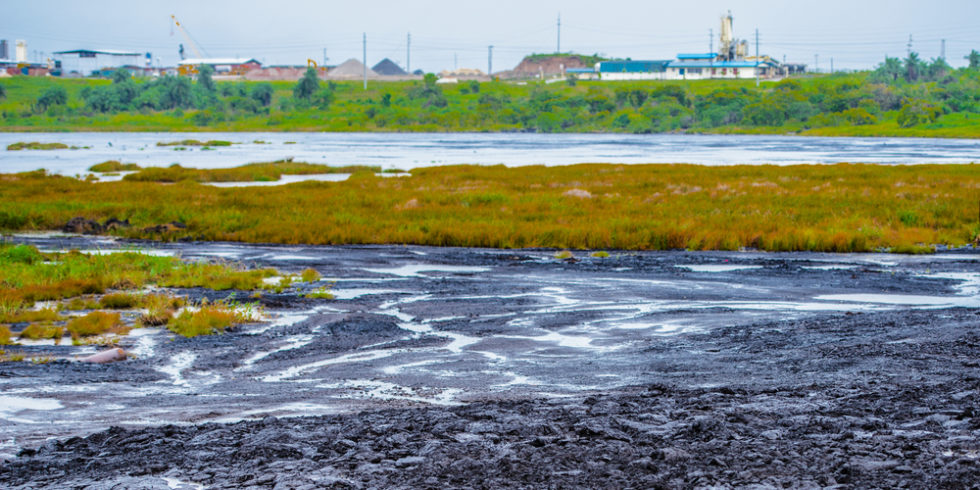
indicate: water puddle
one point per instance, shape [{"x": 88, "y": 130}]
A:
[
  {"x": 353, "y": 293},
  {"x": 416, "y": 270},
  {"x": 284, "y": 180},
  {"x": 905, "y": 300},
  {"x": 13, "y": 405},
  {"x": 718, "y": 267}
]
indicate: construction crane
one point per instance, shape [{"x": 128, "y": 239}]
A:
[{"x": 187, "y": 37}]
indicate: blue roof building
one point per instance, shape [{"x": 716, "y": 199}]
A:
[{"x": 687, "y": 66}]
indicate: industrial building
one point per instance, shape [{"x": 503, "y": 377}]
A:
[
  {"x": 85, "y": 62},
  {"x": 731, "y": 61}
]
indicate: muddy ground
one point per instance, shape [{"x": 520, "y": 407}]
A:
[{"x": 484, "y": 368}]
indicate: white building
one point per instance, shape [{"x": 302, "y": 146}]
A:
[{"x": 86, "y": 61}]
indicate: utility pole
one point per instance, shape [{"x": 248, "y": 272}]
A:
[
  {"x": 490, "y": 62},
  {"x": 455, "y": 62},
  {"x": 559, "y": 33},
  {"x": 831, "y": 65},
  {"x": 942, "y": 50},
  {"x": 324, "y": 58},
  {"x": 365, "y": 61},
  {"x": 816, "y": 63},
  {"x": 711, "y": 40},
  {"x": 408, "y": 54},
  {"x": 757, "y": 68}
]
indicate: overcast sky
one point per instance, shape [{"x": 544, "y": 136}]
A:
[{"x": 855, "y": 33}]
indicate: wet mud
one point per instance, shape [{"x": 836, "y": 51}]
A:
[{"x": 487, "y": 368}]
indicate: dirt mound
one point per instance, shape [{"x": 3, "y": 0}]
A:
[
  {"x": 350, "y": 69},
  {"x": 533, "y": 66},
  {"x": 290, "y": 73},
  {"x": 387, "y": 67}
]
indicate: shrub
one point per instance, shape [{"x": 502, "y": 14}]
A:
[
  {"x": 307, "y": 85},
  {"x": 4, "y": 335},
  {"x": 859, "y": 116},
  {"x": 52, "y": 96},
  {"x": 915, "y": 112}
]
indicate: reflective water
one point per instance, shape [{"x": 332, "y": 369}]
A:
[{"x": 406, "y": 151}]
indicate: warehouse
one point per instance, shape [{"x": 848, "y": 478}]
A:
[{"x": 85, "y": 62}]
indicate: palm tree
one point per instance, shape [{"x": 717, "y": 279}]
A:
[{"x": 912, "y": 67}]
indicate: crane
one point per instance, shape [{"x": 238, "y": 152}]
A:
[{"x": 187, "y": 37}]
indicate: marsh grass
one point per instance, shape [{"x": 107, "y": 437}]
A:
[
  {"x": 112, "y": 166},
  {"x": 826, "y": 208},
  {"x": 73, "y": 278},
  {"x": 119, "y": 301},
  {"x": 253, "y": 172},
  {"x": 320, "y": 293},
  {"x": 96, "y": 323},
  {"x": 309, "y": 275},
  {"x": 192, "y": 142},
  {"x": 160, "y": 308},
  {"x": 11, "y": 356},
  {"x": 35, "y": 145},
  {"x": 19, "y": 315},
  {"x": 210, "y": 319},
  {"x": 36, "y": 331}
]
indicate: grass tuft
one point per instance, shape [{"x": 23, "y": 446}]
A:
[
  {"x": 309, "y": 275},
  {"x": 209, "y": 319},
  {"x": 119, "y": 301},
  {"x": 36, "y": 331},
  {"x": 96, "y": 323}
]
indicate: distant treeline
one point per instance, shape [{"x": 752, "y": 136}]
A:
[{"x": 901, "y": 97}]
